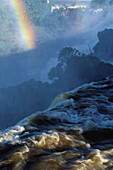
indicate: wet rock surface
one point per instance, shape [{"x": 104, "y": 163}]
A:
[{"x": 74, "y": 134}]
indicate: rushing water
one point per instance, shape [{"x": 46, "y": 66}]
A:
[{"x": 75, "y": 133}]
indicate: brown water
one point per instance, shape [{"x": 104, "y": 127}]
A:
[{"x": 76, "y": 133}]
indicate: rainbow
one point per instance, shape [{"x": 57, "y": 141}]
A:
[{"x": 25, "y": 26}]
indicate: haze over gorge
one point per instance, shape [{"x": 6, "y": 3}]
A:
[{"x": 53, "y": 31}]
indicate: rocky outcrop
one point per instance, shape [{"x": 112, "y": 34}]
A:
[
  {"x": 76, "y": 133},
  {"x": 104, "y": 48}
]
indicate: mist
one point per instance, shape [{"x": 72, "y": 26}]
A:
[{"x": 83, "y": 24}]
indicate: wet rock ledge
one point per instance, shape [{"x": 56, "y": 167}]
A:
[{"x": 74, "y": 133}]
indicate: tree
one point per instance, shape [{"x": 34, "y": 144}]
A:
[
  {"x": 55, "y": 72},
  {"x": 65, "y": 54},
  {"x": 68, "y": 52}
]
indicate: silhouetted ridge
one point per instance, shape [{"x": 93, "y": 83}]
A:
[
  {"x": 19, "y": 101},
  {"x": 104, "y": 48}
]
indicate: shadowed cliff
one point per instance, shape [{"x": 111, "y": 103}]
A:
[
  {"x": 19, "y": 101},
  {"x": 104, "y": 48}
]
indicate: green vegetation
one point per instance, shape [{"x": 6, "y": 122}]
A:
[
  {"x": 7, "y": 29},
  {"x": 45, "y": 23},
  {"x": 37, "y": 10}
]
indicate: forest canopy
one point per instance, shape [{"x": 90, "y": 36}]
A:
[{"x": 44, "y": 22}]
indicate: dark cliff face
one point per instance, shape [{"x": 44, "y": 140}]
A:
[
  {"x": 104, "y": 48},
  {"x": 74, "y": 134},
  {"x": 20, "y": 101}
]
